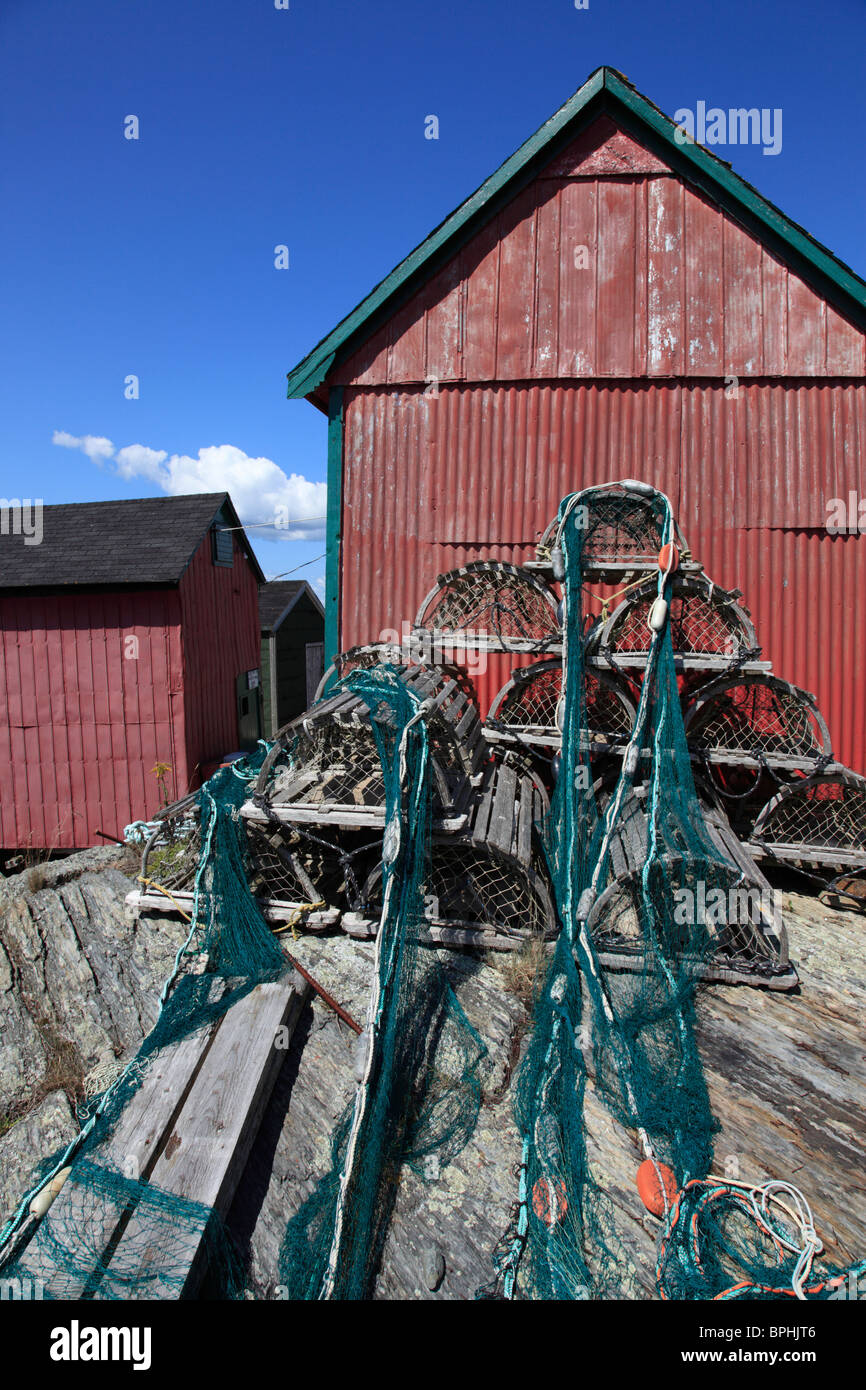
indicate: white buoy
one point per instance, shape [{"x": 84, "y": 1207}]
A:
[
  {"x": 362, "y": 1048},
  {"x": 43, "y": 1199},
  {"x": 658, "y": 615}
]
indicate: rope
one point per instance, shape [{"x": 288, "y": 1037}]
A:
[
  {"x": 606, "y": 602},
  {"x": 152, "y": 883},
  {"x": 383, "y": 971},
  {"x": 697, "y": 1196},
  {"x": 291, "y": 923}
]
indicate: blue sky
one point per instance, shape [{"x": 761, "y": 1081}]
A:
[{"x": 305, "y": 127}]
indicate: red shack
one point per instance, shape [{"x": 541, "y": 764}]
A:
[
  {"x": 128, "y": 637},
  {"x": 610, "y": 303}
]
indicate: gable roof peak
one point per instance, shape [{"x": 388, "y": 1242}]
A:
[{"x": 605, "y": 92}]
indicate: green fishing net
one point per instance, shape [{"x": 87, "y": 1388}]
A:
[
  {"x": 628, "y": 1028},
  {"x": 109, "y": 1235},
  {"x": 633, "y": 1028},
  {"x": 419, "y": 1092}
]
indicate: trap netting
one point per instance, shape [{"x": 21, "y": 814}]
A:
[
  {"x": 110, "y": 1233},
  {"x": 419, "y": 1091},
  {"x": 633, "y": 1032},
  {"x": 490, "y": 601},
  {"x": 707, "y": 624}
]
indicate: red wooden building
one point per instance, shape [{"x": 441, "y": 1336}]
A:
[
  {"x": 610, "y": 303},
  {"x": 128, "y": 637}
]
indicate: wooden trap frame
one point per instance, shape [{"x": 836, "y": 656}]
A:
[
  {"x": 286, "y": 875},
  {"x": 527, "y": 709},
  {"x": 623, "y": 535},
  {"x": 489, "y": 605},
  {"x": 815, "y": 820},
  {"x": 753, "y": 951},
  {"x": 710, "y": 629}
]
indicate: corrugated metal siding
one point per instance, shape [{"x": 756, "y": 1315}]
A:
[
  {"x": 221, "y": 638},
  {"x": 673, "y": 287},
  {"x": 433, "y": 479},
  {"x": 81, "y": 724},
  {"x": 806, "y": 591}
]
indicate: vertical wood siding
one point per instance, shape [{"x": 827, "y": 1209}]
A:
[
  {"x": 672, "y": 286},
  {"x": 82, "y": 724},
  {"x": 221, "y": 638}
]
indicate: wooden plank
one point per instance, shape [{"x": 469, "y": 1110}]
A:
[
  {"x": 205, "y": 1153},
  {"x": 619, "y": 865},
  {"x": 272, "y": 909},
  {"x": 469, "y": 720},
  {"x": 132, "y": 1149},
  {"x": 501, "y": 828},
  {"x": 634, "y": 831},
  {"x": 481, "y": 819},
  {"x": 526, "y": 811}
]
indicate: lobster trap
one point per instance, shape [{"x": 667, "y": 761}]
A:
[
  {"x": 286, "y": 875},
  {"x": 489, "y": 605},
  {"x": 475, "y": 895},
  {"x": 622, "y": 534},
  {"x": 815, "y": 820},
  {"x": 741, "y": 935},
  {"x": 757, "y": 721},
  {"x": 527, "y": 709},
  {"x": 324, "y": 767},
  {"x": 710, "y": 629}
]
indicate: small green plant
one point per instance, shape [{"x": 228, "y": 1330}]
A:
[{"x": 160, "y": 772}]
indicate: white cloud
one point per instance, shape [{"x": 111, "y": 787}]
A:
[
  {"x": 293, "y": 505},
  {"x": 319, "y": 585},
  {"x": 259, "y": 488},
  {"x": 137, "y": 461},
  {"x": 95, "y": 446}
]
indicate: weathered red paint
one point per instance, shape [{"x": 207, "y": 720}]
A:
[
  {"x": 685, "y": 353},
  {"x": 671, "y": 286},
  {"x": 431, "y": 481},
  {"x": 82, "y": 725}
]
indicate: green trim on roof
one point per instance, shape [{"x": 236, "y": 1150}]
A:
[
  {"x": 334, "y": 524},
  {"x": 612, "y": 93}
]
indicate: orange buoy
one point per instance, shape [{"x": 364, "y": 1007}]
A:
[
  {"x": 655, "y": 1182},
  {"x": 549, "y": 1201},
  {"x": 669, "y": 555}
]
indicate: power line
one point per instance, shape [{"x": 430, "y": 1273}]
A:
[
  {"x": 278, "y": 525},
  {"x": 298, "y": 567}
]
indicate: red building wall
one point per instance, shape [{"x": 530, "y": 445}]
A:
[
  {"x": 96, "y": 688},
  {"x": 683, "y": 352},
  {"x": 220, "y": 621},
  {"x": 85, "y": 713}
]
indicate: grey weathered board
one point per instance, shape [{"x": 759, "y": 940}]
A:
[
  {"x": 505, "y": 810},
  {"x": 187, "y": 1131},
  {"x": 272, "y": 909}
]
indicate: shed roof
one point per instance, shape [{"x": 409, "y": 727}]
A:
[
  {"x": 278, "y": 598},
  {"x": 135, "y": 541},
  {"x": 605, "y": 91}
]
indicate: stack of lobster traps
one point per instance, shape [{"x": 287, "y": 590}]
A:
[
  {"x": 321, "y": 792},
  {"x": 760, "y": 749}
]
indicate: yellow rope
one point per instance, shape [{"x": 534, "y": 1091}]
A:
[
  {"x": 152, "y": 883},
  {"x": 606, "y": 602},
  {"x": 296, "y": 917}
]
